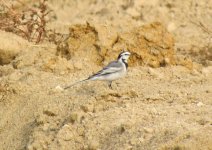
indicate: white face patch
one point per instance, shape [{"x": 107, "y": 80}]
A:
[
  {"x": 125, "y": 53},
  {"x": 124, "y": 56}
]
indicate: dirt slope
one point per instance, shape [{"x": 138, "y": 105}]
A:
[{"x": 163, "y": 103}]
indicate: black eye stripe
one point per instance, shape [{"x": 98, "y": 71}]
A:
[{"x": 125, "y": 54}]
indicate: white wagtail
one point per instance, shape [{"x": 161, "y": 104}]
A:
[{"x": 113, "y": 71}]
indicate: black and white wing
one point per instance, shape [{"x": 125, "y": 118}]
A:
[{"x": 112, "y": 67}]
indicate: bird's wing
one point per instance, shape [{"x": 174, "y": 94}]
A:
[{"x": 112, "y": 67}]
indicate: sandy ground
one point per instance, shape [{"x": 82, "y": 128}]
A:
[{"x": 164, "y": 102}]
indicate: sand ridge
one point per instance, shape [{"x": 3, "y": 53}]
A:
[{"x": 163, "y": 103}]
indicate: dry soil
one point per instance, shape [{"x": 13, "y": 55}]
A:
[{"x": 164, "y": 102}]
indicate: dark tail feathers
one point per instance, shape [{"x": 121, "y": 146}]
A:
[{"x": 69, "y": 86}]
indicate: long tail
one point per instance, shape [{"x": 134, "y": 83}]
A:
[{"x": 75, "y": 83}]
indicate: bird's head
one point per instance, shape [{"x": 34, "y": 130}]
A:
[{"x": 123, "y": 56}]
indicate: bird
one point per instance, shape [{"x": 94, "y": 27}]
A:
[{"x": 113, "y": 71}]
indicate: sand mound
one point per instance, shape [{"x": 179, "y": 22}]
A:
[
  {"x": 150, "y": 45},
  {"x": 163, "y": 103},
  {"x": 10, "y": 46}
]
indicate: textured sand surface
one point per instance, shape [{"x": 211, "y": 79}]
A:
[{"x": 164, "y": 102}]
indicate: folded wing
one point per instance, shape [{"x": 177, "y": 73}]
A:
[{"x": 112, "y": 67}]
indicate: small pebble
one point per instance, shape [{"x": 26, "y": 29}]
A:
[
  {"x": 148, "y": 130},
  {"x": 93, "y": 145},
  {"x": 59, "y": 88},
  {"x": 199, "y": 104}
]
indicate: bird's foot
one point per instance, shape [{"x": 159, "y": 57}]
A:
[{"x": 110, "y": 85}]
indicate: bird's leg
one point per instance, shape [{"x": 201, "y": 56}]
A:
[{"x": 110, "y": 84}]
